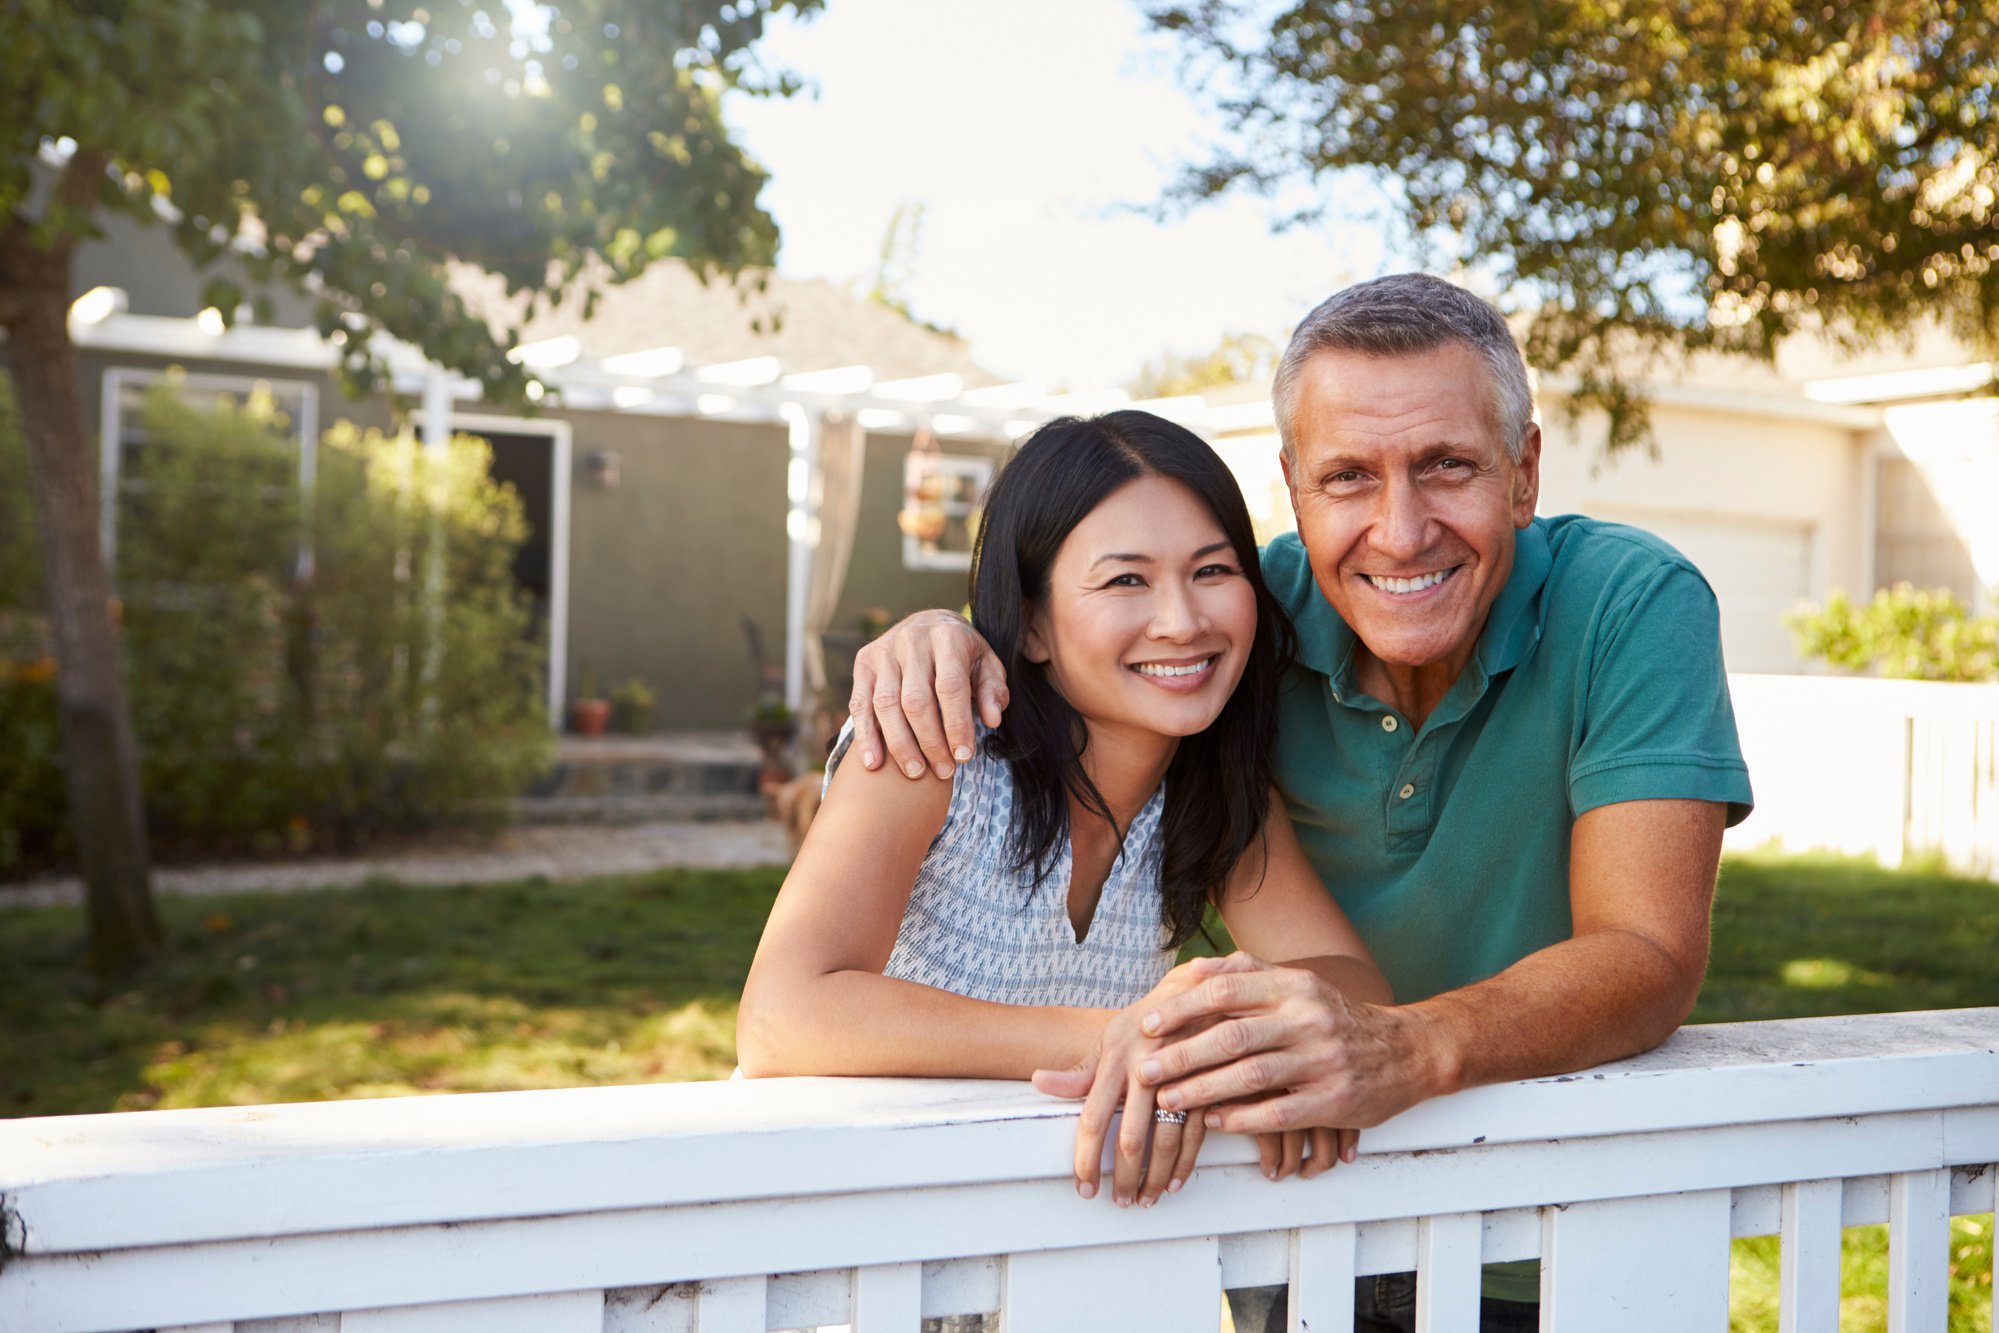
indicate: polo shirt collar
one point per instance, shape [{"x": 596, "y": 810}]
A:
[{"x": 1512, "y": 627}]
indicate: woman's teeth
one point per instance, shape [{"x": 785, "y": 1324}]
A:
[
  {"x": 1157, "y": 669},
  {"x": 1409, "y": 585}
]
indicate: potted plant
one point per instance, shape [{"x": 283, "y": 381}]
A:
[
  {"x": 632, "y": 707},
  {"x": 589, "y": 715},
  {"x": 772, "y": 722}
]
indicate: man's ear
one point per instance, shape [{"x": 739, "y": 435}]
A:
[
  {"x": 1527, "y": 477},
  {"x": 1290, "y": 488},
  {"x": 1033, "y": 642}
]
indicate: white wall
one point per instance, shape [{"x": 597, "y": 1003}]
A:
[
  {"x": 1882, "y": 768},
  {"x": 1955, "y": 446}
]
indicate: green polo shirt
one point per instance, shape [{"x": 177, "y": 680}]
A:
[{"x": 1598, "y": 678}]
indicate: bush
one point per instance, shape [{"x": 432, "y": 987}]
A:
[
  {"x": 302, "y": 674},
  {"x": 1905, "y": 632}
]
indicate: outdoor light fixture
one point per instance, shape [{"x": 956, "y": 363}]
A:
[{"x": 604, "y": 466}]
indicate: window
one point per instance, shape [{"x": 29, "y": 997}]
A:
[
  {"x": 941, "y": 495},
  {"x": 123, "y": 437}
]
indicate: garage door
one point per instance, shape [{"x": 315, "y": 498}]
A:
[{"x": 1758, "y": 571}]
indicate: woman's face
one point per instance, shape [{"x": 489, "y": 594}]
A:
[{"x": 1149, "y": 618}]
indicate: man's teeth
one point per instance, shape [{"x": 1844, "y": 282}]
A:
[
  {"x": 1410, "y": 585},
  {"x": 1157, "y": 669}
]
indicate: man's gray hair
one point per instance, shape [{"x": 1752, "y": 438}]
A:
[{"x": 1403, "y": 315}]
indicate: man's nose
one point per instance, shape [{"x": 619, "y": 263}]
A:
[{"x": 1401, "y": 521}]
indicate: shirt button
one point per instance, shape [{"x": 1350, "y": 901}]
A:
[
  {"x": 1408, "y": 790},
  {"x": 1389, "y": 723}
]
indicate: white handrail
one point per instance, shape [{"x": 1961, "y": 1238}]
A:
[{"x": 838, "y": 1197}]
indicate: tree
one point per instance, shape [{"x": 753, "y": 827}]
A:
[
  {"x": 351, "y": 149},
  {"x": 1237, "y": 359},
  {"x": 1658, "y": 174}
]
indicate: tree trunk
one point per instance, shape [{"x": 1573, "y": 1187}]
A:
[{"x": 100, "y": 757}]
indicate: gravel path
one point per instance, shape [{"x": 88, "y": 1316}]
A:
[{"x": 573, "y": 851}]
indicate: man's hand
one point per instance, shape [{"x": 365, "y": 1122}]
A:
[
  {"x": 913, "y": 693},
  {"x": 1314, "y": 1057}
]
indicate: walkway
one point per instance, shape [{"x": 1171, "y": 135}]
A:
[{"x": 573, "y": 851}]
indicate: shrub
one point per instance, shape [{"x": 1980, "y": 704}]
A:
[
  {"x": 1906, "y": 632},
  {"x": 299, "y": 672}
]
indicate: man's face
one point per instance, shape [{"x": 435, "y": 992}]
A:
[{"x": 1406, "y": 498}]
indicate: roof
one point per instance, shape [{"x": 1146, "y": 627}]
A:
[{"x": 807, "y": 324}]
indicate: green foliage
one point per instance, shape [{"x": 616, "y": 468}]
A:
[
  {"x": 1907, "y": 632},
  {"x": 632, "y": 707},
  {"x": 367, "y": 144},
  {"x": 275, "y": 708},
  {"x": 1238, "y": 358},
  {"x": 1651, "y": 173}
]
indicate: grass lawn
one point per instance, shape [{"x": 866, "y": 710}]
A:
[{"x": 386, "y": 991}]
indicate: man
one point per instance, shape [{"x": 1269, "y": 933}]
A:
[{"x": 1507, "y": 748}]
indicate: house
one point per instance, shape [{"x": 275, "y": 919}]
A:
[{"x": 716, "y": 473}]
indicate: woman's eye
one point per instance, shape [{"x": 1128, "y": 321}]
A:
[
  {"x": 1215, "y": 571},
  {"x": 1126, "y": 581}
]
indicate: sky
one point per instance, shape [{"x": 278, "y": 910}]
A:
[{"x": 1027, "y": 130}]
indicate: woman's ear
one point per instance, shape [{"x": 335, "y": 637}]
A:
[{"x": 1034, "y": 641}]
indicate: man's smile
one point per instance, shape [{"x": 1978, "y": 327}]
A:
[{"x": 1418, "y": 583}]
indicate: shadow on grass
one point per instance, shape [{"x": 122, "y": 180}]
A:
[{"x": 386, "y": 990}]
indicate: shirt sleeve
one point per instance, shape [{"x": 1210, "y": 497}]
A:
[{"x": 1657, "y": 721}]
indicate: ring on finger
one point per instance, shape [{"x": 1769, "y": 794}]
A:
[{"x": 1170, "y": 1117}]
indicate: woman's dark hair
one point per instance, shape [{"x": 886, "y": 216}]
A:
[{"x": 1218, "y": 784}]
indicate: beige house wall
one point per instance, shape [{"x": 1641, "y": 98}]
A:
[
  {"x": 1774, "y": 510},
  {"x": 1954, "y": 449}
]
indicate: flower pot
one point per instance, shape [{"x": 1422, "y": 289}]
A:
[{"x": 589, "y": 717}]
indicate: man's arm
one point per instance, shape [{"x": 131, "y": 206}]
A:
[
  {"x": 1641, "y": 884},
  {"x": 914, "y": 688}
]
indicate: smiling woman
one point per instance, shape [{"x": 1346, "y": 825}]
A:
[{"x": 1024, "y": 915}]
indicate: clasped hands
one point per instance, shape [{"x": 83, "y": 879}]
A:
[{"x": 1243, "y": 1046}]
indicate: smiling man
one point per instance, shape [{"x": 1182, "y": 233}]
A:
[{"x": 1506, "y": 747}]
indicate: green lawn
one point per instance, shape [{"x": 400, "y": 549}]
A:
[{"x": 386, "y": 991}]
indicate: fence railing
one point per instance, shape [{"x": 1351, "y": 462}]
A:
[
  {"x": 1888, "y": 768},
  {"x": 796, "y": 1203}
]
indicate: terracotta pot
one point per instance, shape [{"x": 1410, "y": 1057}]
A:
[{"x": 589, "y": 717}]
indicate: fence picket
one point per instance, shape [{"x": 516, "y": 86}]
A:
[
  {"x": 888, "y": 1298},
  {"x": 1166, "y": 1285},
  {"x": 1808, "y": 1270},
  {"x": 1322, "y": 1260},
  {"x": 1447, "y": 1271},
  {"x": 556, "y": 1312},
  {"x": 1918, "y": 1251},
  {"x": 730, "y": 1305},
  {"x": 1656, "y": 1264}
]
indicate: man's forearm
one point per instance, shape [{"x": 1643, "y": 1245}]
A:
[{"x": 1585, "y": 1001}]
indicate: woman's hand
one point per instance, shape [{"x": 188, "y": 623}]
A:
[
  {"x": 1108, "y": 1076},
  {"x": 1304, "y": 1152}
]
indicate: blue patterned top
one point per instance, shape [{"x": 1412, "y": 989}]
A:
[{"x": 977, "y": 927}]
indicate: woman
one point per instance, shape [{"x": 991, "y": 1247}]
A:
[{"x": 1028, "y": 912}]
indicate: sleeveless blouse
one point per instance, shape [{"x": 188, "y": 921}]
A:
[{"x": 980, "y": 928}]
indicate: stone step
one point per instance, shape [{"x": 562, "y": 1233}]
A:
[
  {"x": 688, "y": 776},
  {"x": 644, "y": 809}
]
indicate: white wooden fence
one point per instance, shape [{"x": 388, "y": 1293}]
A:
[
  {"x": 1888, "y": 768},
  {"x": 793, "y": 1203}
]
